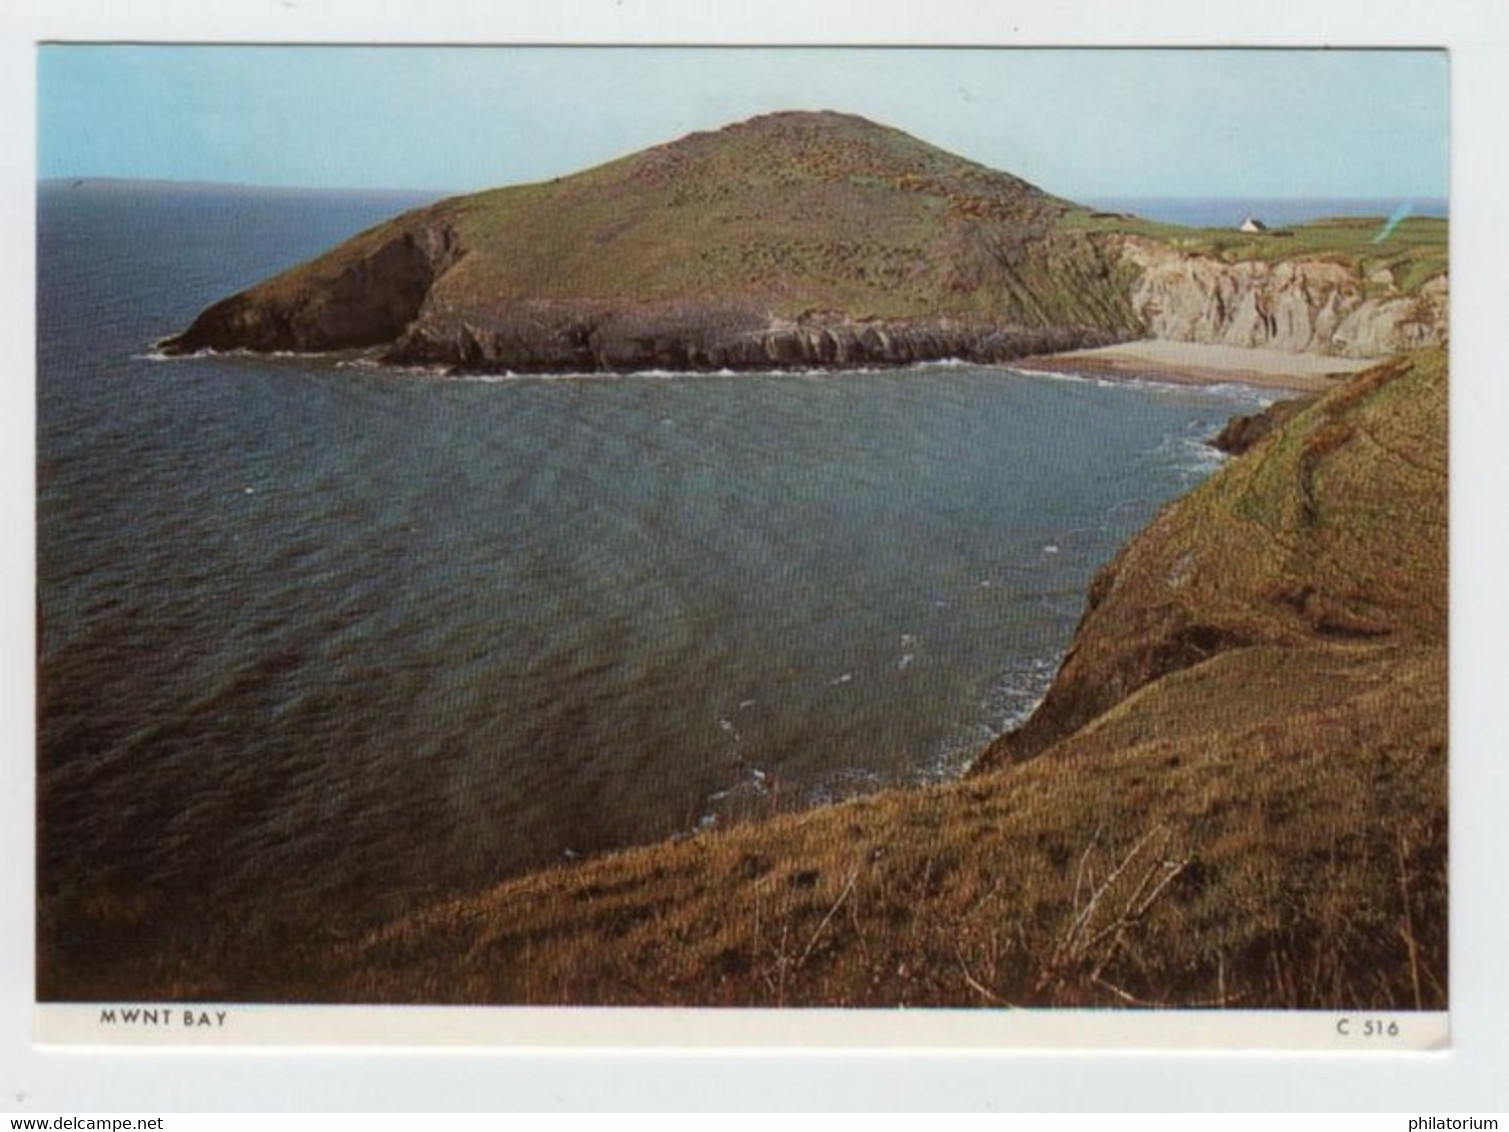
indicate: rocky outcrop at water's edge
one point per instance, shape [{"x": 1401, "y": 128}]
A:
[
  {"x": 617, "y": 337},
  {"x": 360, "y": 299}
]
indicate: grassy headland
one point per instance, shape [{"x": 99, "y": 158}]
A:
[
  {"x": 791, "y": 239},
  {"x": 810, "y": 239}
]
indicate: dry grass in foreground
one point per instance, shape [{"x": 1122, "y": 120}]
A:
[{"x": 1289, "y": 854}]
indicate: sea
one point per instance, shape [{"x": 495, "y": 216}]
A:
[{"x": 321, "y": 638}]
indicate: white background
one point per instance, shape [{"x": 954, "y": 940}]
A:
[{"x": 1473, "y": 1077}]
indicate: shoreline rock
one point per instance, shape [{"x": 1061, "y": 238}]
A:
[{"x": 604, "y": 337}]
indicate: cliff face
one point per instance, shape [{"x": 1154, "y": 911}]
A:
[
  {"x": 365, "y": 295},
  {"x": 543, "y": 336},
  {"x": 1330, "y": 532},
  {"x": 1303, "y": 305}
]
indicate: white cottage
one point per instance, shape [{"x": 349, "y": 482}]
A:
[{"x": 1253, "y": 224}]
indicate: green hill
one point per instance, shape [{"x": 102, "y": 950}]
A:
[{"x": 790, "y": 239}]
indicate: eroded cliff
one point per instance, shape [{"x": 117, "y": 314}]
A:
[
  {"x": 366, "y": 292},
  {"x": 1305, "y": 304}
]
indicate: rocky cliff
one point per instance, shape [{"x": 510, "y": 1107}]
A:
[
  {"x": 1304, "y": 304},
  {"x": 586, "y": 336},
  {"x": 368, "y": 292}
]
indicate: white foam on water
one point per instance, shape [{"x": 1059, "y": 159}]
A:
[
  {"x": 1045, "y": 374},
  {"x": 843, "y": 784},
  {"x": 1189, "y": 456},
  {"x": 748, "y": 790},
  {"x": 1259, "y": 396}
]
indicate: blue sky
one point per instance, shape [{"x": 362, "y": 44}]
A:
[{"x": 1081, "y": 123}]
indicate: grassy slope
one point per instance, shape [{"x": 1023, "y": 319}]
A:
[
  {"x": 796, "y": 212},
  {"x": 1332, "y": 530},
  {"x": 1262, "y": 827}
]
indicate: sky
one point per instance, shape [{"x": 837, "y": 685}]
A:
[{"x": 1080, "y": 123}]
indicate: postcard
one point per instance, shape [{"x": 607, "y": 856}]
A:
[{"x": 880, "y": 547}]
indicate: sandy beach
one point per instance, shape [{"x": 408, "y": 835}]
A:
[{"x": 1199, "y": 364}]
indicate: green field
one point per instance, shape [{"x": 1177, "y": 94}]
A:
[{"x": 1412, "y": 251}]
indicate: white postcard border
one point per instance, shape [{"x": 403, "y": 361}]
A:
[{"x": 36, "y": 1077}]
